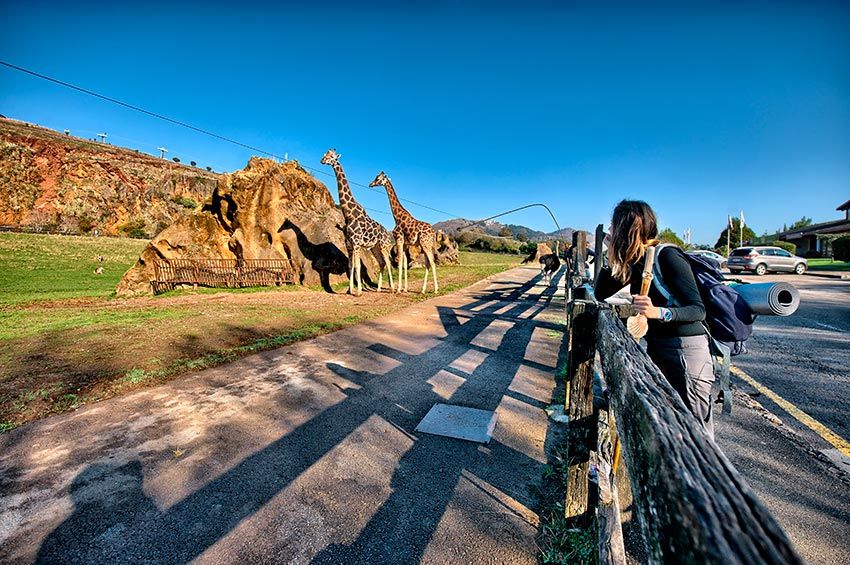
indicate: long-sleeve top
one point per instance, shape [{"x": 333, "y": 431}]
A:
[{"x": 679, "y": 281}]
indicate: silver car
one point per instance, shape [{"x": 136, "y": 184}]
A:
[
  {"x": 761, "y": 259},
  {"x": 716, "y": 257}
]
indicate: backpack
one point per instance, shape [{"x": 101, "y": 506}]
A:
[{"x": 728, "y": 318}]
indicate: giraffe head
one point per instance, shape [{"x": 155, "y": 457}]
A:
[
  {"x": 331, "y": 157},
  {"x": 381, "y": 179}
]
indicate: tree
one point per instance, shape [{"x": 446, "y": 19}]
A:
[
  {"x": 803, "y": 222},
  {"x": 787, "y": 246},
  {"x": 176, "y": 159},
  {"x": 749, "y": 234},
  {"x": 209, "y": 169},
  {"x": 841, "y": 248},
  {"x": 506, "y": 232},
  {"x": 521, "y": 236},
  {"x": 194, "y": 164},
  {"x": 669, "y": 236}
]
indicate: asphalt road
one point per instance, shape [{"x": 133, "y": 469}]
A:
[{"x": 805, "y": 360}]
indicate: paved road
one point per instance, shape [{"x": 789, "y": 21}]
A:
[
  {"x": 805, "y": 360},
  {"x": 308, "y": 453}
]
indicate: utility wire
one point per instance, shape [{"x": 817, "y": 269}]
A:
[{"x": 199, "y": 130}]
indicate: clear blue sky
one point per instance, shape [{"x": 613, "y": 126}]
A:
[{"x": 700, "y": 110}]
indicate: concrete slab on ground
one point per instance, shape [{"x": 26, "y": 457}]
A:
[{"x": 459, "y": 422}]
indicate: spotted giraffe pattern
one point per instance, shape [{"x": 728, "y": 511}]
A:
[
  {"x": 413, "y": 232},
  {"x": 362, "y": 233}
]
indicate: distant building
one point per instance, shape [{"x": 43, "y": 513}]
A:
[{"x": 816, "y": 239}]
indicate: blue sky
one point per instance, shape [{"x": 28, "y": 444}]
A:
[{"x": 473, "y": 108}]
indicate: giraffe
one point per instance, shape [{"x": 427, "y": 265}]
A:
[
  {"x": 362, "y": 233},
  {"x": 413, "y": 232}
]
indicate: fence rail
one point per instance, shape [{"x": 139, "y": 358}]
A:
[
  {"x": 692, "y": 504},
  {"x": 227, "y": 273}
]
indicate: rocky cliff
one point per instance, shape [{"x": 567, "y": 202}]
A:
[
  {"x": 266, "y": 211},
  {"x": 55, "y": 181}
]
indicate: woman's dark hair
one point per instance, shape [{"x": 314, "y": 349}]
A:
[{"x": 633, "y": 229}]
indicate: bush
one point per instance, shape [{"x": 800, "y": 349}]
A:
[
  {"x": 135, "y": 229},
  {"x": 184, "y": 201},
  {"x": 841, "y": 248},
  {"x": 209, "y": 169},
  {"x": 194, "y": 164},
  {"x": 812, "y": 254},
  {"x": 176, "y": 159},
  {"x": 789, "y": 247}
]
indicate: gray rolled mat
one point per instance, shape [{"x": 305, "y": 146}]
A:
[{"x": 775, "y": 299}]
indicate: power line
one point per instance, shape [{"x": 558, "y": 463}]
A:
[{"x": 199, "y": 130}]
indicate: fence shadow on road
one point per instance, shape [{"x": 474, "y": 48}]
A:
[{"x": 113, "y": 520}]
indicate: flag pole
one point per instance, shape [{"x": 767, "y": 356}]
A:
[{"x": 728, "y": 236}]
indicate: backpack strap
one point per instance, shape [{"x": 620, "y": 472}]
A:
[{"x": 658, "y": 280}]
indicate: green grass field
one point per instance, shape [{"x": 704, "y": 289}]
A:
[
  {"x": 66, "y": 341},
  {"x": 828, "y": 265}
]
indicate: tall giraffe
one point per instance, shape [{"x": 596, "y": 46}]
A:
[
  {"x": 362, "y": 233},
  {"x": 414, "y": 232}
]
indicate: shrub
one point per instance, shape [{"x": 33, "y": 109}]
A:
[
  {"x": 812, "y": 254},
  {"x": 185, "y": 201},
  {"x": 176, "y": 159},
  {"x": 194, "y": 164},
  {"x": 135, "y": 229},
  {"x": 209, "y": 169},
  {"x": 841, "y": 248},
  {"x": 789, "y": 247}
]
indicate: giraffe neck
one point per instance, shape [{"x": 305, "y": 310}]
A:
[
  {"x": 399, "y": 213},
  {"x": 347, "y": 203}
]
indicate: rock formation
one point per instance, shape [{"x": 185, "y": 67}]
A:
[
  {"x": 265, "y": 211},
  {"x": 446, "y": 253},
  {"x": 64, "y": 183}
]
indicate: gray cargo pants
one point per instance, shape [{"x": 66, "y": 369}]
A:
[{"x": 686, "y": 362}]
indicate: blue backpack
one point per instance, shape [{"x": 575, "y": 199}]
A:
[{"x": 728, "y": 318}]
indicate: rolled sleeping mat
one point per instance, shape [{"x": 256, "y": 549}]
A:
[{"x": 774, "y": 299}]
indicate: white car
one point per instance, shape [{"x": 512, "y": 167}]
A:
[{"x": 716, "y": 257}]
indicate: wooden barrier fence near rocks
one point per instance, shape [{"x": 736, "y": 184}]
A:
[
  {"x": 691, "y": 503},
  {"x": 227, "y": 273}
]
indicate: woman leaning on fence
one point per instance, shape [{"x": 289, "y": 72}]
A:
[{"x": 676, "y": 340}]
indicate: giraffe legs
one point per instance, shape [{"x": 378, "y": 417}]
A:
[
  {"x": 389, "y": 265},
  {"x": 359, "y": 276},
  {"x": 430, "y": 264}
]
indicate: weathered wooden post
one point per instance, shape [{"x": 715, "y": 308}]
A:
[
  {"x": 598, "y": 261},
  {"x": 611, "y": 547},
  {"x": 581, "y": 428}
]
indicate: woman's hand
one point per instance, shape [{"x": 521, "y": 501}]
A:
[{"x": 644, "y": 306}]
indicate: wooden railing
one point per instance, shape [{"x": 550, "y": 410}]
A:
[
  {"x": 691, "y": 503},
  {"x": 227, "y": 273}
]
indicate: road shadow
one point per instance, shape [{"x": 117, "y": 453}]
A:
[{"x": 109, "y": 501}]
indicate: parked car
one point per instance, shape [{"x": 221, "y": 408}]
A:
[
  {"x": 716, "y": 257},
  {"x": 761, "y": 259}
]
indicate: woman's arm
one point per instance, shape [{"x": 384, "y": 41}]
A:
[
  {"x": 679, "y": 281},
  {"x": 607, "y": 285}
]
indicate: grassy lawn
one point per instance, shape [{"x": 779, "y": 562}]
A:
[
  {"x": 828, "y": 265},
  {"x": 66, "y": 341}
]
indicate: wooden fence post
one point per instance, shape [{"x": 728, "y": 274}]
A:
[
  {"x": 581, "y": 435},
  {"x": 611, "y": 547},
  {"x": 597, "y": 249}
]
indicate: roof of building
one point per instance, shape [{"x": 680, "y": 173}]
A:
[
  {"x": 845, "y": 206},
  {"x": 835, "y": 226}
]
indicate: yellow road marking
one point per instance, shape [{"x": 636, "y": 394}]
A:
[{"x": 831, "y": 437}]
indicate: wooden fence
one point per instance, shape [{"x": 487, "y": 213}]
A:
[
  {"x": 691, "y": 503},
  {"x": 227, "y": 273}
]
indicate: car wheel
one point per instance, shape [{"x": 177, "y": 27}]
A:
[
  {"x": 800, "y": 268},
  {"x": 761, "y": 269}
]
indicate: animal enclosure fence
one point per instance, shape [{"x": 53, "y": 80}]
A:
[
  {"x": 221, "y": 273},
  {"x": 690, "y": 502}
]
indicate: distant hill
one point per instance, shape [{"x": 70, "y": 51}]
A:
[
  {"x": 59, "y": 182},
  {"x": 452, "y": 227}
]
